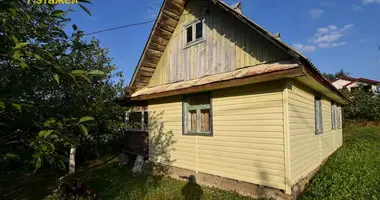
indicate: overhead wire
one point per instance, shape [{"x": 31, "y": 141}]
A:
[{"x": 119, "y": 27}]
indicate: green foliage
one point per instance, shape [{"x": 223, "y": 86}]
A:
[
  {"x": 365, "y": 105},
  {"x": 332, "y": 77},
  {"x": 353, "y": 171},
  {"x": 48, "y": 81}
]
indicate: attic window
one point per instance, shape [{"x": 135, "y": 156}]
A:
[{"x": 194, "y": 32}]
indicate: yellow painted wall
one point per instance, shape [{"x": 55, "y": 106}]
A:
[
  {"x": 229, "y": 44},
  {"x": 307, "y": 150},
  {"x": 248, "y": 137}
]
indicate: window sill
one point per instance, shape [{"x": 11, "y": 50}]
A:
[
  {"x": 193, "y": 43},
  {"x": 209, "y": 134}
]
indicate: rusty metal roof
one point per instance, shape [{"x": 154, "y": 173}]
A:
[{"x": 237, "y": 74}]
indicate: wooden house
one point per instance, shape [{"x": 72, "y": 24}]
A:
[{"x": 227, "y": 100}]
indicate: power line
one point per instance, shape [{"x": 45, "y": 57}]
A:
[{"x": 120, "y": 27}]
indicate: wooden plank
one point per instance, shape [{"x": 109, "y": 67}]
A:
[
  {"x": 147, "y": 69},
  {"x": 154, "y": 53},
  {"x": 142, "y": 79},
  {"x": 168, "y": 20},
  {"x": 148, "y": 64},
  {"x": 175, "y": 14},
  {"x": 152, "y": 59},
  {"x": 145, "y": 73},
  {"x": 166, "y": 27},
  {"x": 163, "y": 33},
  {"x": 179, "y": 2},
  {"x": 157, "y": 46},
  {"x": 159, "y": 40},
  {"x": 230, "y": 83}
]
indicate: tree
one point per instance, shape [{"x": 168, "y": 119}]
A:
[
  {"x": 365, "y": 105},
  {"x": 332, "y": 77},
  {"x": 51, "y": 85}
]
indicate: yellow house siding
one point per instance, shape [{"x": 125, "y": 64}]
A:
[
  {"x": 165, "y": 117},
  {"x": 248, "y": 138},
  {"x": 229, "y": 44},
  {"x": 308, "y": 150}
]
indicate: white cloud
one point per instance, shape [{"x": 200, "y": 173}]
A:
[
  {"x": 332, "y": 27},
  {"x": 304, "y": 48},
  {"x": 323, "y": 30},
  {"x": 338, "y": 44},
  {"x": 330, "y": 34},
  {"x": 324, "y": 45},
  {"x": 315, "y": 13},
  {"x": 325, "y": 37},
  {"x": 366, "y": 2}
]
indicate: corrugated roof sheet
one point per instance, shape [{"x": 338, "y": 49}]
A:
[{"x": 240, "y": 73}]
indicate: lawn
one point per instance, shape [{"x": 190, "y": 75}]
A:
[
  {"x": 108, "y": 181},
  {"x": 353, "y": 172}
]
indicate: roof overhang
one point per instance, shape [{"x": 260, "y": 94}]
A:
[{"x": 248, "y": 75}]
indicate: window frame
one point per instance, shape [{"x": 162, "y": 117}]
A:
[
  {"x": 144, "y": 127},
  {"x": 194, "y": 41},
  {"x": 339, "y": 117},
  {"x": 318, "y": 115},
  {"x": 333, "y": 116},
  {"x": 198, "y": 109}
]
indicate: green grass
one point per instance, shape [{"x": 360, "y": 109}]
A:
[
  {"x": 108, "y": 181},
  {"x": 353, "y": 172},
  {"x": 111, "y": 182}
]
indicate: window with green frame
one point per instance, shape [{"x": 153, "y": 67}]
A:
[{"x": 197, "y": 115}]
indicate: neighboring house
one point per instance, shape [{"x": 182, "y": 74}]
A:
[
  {"x": 349, "y": 83},
  {"x": 231, "y": 100}
]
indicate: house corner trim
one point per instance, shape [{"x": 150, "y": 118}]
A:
[{"x": 285, "y": 107}]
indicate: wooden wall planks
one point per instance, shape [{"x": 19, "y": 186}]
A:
[{"x": 229, "y": 44}]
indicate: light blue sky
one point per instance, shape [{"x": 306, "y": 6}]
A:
[{"x": 334, "y": 34}]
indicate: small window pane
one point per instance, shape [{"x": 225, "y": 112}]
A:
[
  {"x": 134, "y": 121},
  {"x": 205, "y": 120},
  {"x": 189, "y": 33},
  {"x": 333, "y": 118},
  {"x": 199, "y": 30},
  {"x": 192, "y": 120},
  {"x": 339, "y": 114},
  {"x": 318, "y": 116},
  {"x": 146, "y": 117}
]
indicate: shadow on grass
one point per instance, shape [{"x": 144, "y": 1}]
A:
[{"x": 19, "y": 185}]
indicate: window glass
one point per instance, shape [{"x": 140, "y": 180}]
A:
[
  {"x": 197, "y": 115},
  {"x": 333, "y": 116},
  {"x": 134, "y": 120},
  {"x": 205, "y": 120},
  {"x": 318, "y": 116},
  {"x": 192, "y": 120},
  {"x": 138, "y": 121},
  {"x": 189, "y": 31},
  {"x": 199, "y": 30},
  {"x": 146, "y": 119},
  {"x": 339, "y": 114}
]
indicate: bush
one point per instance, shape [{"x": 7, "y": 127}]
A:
[
  {"x": 72, "y": 189},
  {"x": 365, "y": 105}
]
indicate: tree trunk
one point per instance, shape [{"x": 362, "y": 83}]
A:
[{"x": 73, "y": 151}]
